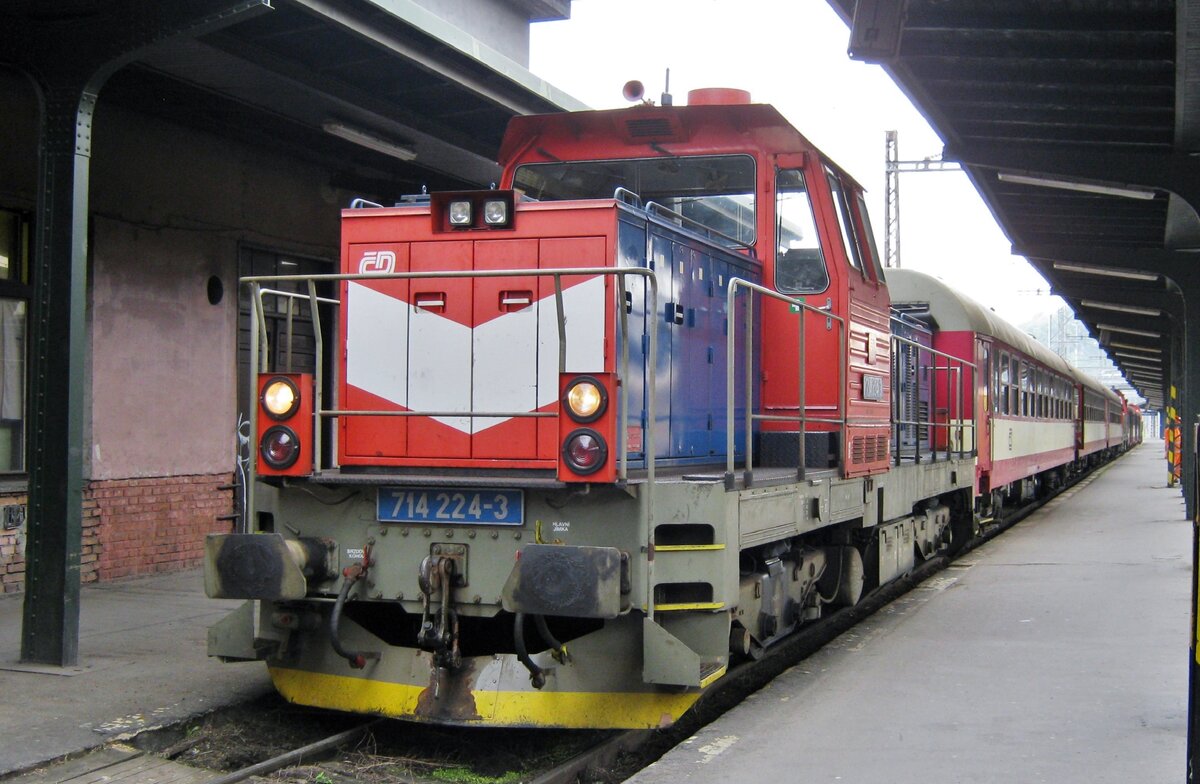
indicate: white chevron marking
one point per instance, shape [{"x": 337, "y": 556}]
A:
[{"x": 419, "y": 360}]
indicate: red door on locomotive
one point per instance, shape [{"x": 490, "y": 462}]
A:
[{"x": 825, "y": 255}]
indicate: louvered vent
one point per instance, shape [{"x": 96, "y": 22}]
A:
[
  {"x": 649, "y": 127},
  {"x": 868, "y": 449}
]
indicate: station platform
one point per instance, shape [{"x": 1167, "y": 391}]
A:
[
  {"x": 142, "y": 664},
  {"x": 1057, "y": 652}
]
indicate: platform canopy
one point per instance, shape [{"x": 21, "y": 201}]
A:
[
  {"x": 1079, "y": 124},
  {"x": 401, "y": 97}
]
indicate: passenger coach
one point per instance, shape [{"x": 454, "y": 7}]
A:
[{"x": 1041, "y": 418}]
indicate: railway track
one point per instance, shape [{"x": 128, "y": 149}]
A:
[{"x": 290, "y": 744}]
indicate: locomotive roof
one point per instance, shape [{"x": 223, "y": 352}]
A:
[
  {"x": 956, "y": 312},
  {"x": 617, "y": 133}
]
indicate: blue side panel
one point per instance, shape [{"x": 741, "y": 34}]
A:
[
  {"x": 631, "y": 252},
  {"x": 661, "y": 256},
  {"x": 723, "y": 271},
  {"x": 692, "y": 326},
  {"x": 691, "y": 368}
]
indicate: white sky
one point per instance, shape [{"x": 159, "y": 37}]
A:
[{"x": 792, "y": 54}]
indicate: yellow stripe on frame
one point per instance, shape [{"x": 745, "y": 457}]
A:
[
  {"x": 568, "y": 710},
  {"x": 707, "y": 680},
  {"x": 709, "y": 606}
]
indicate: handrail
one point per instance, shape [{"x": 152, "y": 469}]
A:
[
  {"x": 626, "y": 196},
  {"x": 670, "y": 214},
  {"x": 731, "y": 360},
  {"x": 259, "y": 346},
  {"x": 260, "y": 349},
  {"x": 955, "y": 366}
]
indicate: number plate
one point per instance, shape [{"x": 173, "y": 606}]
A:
[{"x": 451, "y": 506}]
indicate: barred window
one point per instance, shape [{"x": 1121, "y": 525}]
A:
[{"x": 14, "y": 305}]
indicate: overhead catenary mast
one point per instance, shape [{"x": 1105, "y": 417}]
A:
[{"x": 891, "y": 206}]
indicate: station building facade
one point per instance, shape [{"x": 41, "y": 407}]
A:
[{"x": 202, "y": 172}]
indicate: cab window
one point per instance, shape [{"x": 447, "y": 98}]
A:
[
  {"x": 715, "y": 191},
  {"x": 870, "y": 248},
  {"x": 845, "y": 222},
  {"x": 799, "y": 264}
]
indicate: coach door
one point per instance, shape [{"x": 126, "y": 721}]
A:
[{"x": 984, "y": 408}]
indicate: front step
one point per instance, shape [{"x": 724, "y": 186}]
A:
[{"x": 685, "y": 648}]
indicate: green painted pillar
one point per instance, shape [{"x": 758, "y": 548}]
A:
[
  {"x": 97, "y": 46},
  {"x": 50, "y": 628}
]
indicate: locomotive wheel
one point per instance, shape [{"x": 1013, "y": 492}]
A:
[{"x": 845, "y": 583}]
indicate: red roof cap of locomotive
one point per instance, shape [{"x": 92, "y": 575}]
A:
[
  {"x": 718, "y": 96},
  {"x": 706, "y": 129}
]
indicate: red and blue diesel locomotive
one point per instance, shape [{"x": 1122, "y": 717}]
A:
[{"x": 571, "y": 447}]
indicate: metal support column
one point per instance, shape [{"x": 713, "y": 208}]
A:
[
  {"x": 1188, "y": 405},
  {"x": 50, "y": 632},
  {"x": 99, "y": 45},
  {"x": 1188, "y": 409}
]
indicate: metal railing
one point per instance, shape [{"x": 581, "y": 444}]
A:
[
  {"x": 260, "y": 350},
  {"x": 800, "y": 308},
  {"x": 955, "y": 429},
  {"x": 693, "y": 225}
]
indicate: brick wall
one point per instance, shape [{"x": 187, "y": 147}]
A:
[
  {"x": 146, "y": 526},
  {"x": 12, "y": 552},
  {"x": 133, "y": 527}
]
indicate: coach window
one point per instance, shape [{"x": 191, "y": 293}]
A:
[
  {"x": 1004, "y": 386},
  {"x": 799, "y": 265},
  {"x": 14, "y": 296},
  {"x": 1016, "y": 386},
  {"x": 1027, "y": 393}
]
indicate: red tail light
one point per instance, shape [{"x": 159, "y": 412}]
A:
[
  {"x": 587, "y": 428},
  {"x": 585, "y": 452},
  {"x": 285, "y": 424}
]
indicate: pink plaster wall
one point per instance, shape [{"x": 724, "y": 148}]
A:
[{"x": 171, "y": 207}]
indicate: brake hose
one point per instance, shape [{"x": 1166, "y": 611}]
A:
[
  {"x": 537, "y": 677},
  {"x": 350, "y": 575}
]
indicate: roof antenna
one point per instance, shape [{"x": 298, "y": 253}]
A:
[{"x": 667, "y": 100}]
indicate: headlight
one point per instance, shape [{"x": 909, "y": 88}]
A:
[
  {"x": 460, "y": 213},
  {"x": 495, "y": 212},
  {"x": 585, "y": 399},
  {"x": 279, "y": 447},
  {"x": 585, "y": 452},
  {"x": 280, "y": 398}
]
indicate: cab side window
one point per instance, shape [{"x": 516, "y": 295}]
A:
[
  {"x": 799, "y": 263},
  {"x": 870, "y": 249},
  {"x": 845, "y": 223}
]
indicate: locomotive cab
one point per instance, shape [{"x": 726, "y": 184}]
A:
[{"x": 741, "y": 174}]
